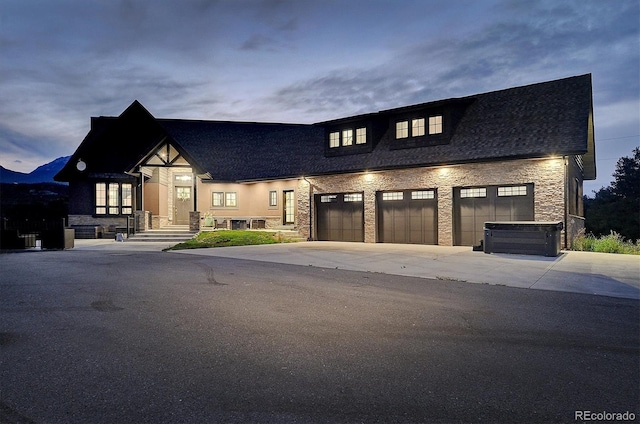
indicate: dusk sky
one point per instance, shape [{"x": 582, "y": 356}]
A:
[{"x": 302, "y": 61}]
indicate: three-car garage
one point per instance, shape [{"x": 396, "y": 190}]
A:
[{"x": 411, "y": 216}]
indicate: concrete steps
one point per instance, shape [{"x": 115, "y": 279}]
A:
[{"x": 174, "y": 233}]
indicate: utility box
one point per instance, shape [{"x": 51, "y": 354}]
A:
[{"x": 523, "y": 237}]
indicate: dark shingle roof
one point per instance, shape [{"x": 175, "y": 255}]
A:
[
  {"x": 551, "y": 118},
  {"x": 524, "y": 122}
]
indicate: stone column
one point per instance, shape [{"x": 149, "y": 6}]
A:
[{"x": 194, "y": 221}]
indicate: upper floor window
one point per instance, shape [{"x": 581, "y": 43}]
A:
[
  {"x": 113, "y": 199},
  {"x": 418, "y": 127},
  {"x": 334, "y": 139},
  {"x": 402, "y": 129},
  {"x": 435, "y": 124},
  {"x": 346, "y": 138}
]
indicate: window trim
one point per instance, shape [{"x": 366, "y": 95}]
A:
[
  {"x": 348, "y": 137},
  {"x": 109, "y": 198},
  {"x": 437, "y": 127},
  {"x": 420, "y": 126},
  {"x": 273, "y": 198},
  {"x": 220, "y": 203},
  {"x": 223, "y": 197}
]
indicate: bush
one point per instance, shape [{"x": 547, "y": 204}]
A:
[
  {"x": 224, "y": 238},
  {"x": 612, "y": 243}
]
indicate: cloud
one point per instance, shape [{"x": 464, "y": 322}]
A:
[
  {"x": 541, "y": 42},
  {"x": 258, "y": 42}
]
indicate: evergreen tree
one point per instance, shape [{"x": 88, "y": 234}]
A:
[{"x": 617, "y": 207}]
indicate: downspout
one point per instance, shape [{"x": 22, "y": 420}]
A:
[
  {"x": 566, "y": 200},
  {"x": 194, "y": 178},
  {"x": 310, "y": 238}
]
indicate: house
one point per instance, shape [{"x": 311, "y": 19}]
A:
[{"x": 429, "y": 173}]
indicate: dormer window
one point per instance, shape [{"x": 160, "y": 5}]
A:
[
  {"x": 417, "y": 127},
  {"x": 345, "y": 137},
  {"x": 402, "y": 129},
  {"x": 435, "y": 124},
  {"x": 334, "y": 139}
]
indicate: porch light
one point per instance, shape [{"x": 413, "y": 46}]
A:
[
  {"x": 81, "y": 165},
  {"x": 444, "y": 171}
]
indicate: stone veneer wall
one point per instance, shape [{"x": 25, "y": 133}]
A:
[
  {"x": 92, "y": 220},
  {"x": 547, "y": 175}
]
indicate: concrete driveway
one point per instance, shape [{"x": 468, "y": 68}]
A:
[{"x": 578, "y": 272}]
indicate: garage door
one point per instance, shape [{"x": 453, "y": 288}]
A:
[
  {"x": 407, "y": 216},
  {"x": 340, "y": 216},
  {"x": 473, "y": 206}
]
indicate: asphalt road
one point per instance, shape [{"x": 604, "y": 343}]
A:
[{"x": 113, "y": 337}]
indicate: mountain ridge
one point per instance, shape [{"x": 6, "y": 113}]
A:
[{"x": 42, "y": 174}]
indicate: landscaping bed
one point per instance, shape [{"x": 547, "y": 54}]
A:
[{"x": 224, "y": 238}]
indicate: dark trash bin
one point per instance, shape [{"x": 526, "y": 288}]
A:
[
  {"x": 523, "y": 237},
  {"x": 59, "y": 238}
]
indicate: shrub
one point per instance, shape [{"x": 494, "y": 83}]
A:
[{"x": 612, "y": 243}]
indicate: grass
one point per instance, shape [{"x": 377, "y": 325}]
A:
[
  {"x": 224, "y": 238},
  {"x": 612, "y": 243}
]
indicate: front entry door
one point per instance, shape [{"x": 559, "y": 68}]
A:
[{"x": 181, "y": 205}]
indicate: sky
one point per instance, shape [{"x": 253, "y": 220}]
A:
[{"x": 301, "y": 61}]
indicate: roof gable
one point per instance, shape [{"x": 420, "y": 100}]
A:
[{"x": 114, "y": 145}]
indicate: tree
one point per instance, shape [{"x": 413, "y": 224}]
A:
[{"x": 617, "y": 208}]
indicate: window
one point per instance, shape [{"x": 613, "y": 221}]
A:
[
  {"x": 422, "y": 194},
  {"x": 393, "y": 195},
  {"x": 127, "y": 199},
  {"x": 329, "y": 198},
  {"x": 353, "y": 197},
  {"x": 217, "y": 199},
  {"x": 231, "y": 200},
  {"x": 361, "y": 136},
  {"x": 402, "y": 129},
  {"x": 353, "y": 140},
  {"x": 113, "y": 199},
  {"x": 334, "y": 139},
  {"x": 512, "y": 191},
  {"x": 417, "y": 127},
  {"x": 347, "y": 137},
  {"x": 289, "y": 207},
  {"x": 435, "y": 124},
  {"x": 473, "y": 192},
  {"x": 101, "y": 199},
  {"x": 221, "y": 199},
  {"x": 273, "y": 198}
]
